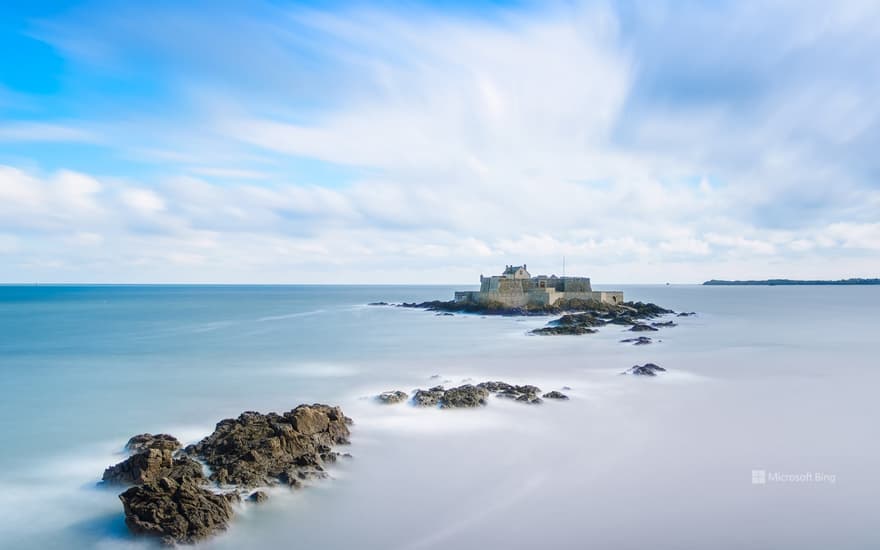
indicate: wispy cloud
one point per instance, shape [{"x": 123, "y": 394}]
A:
[{"x": 707, "y": 140}]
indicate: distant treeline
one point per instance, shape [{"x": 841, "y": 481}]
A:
[{"x": 780, "y": 282}]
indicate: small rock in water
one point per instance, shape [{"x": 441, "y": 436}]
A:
[
  {"x": 555, "y": 395},
  {"x": 392, "y": 397},
  {"x": 638, "y": 327},
  {"x": 466, "y": 396},
  {"x": 664, "y": 324},
  {"x": 640, "y": 341},
  {"x": 428, "y": 398},
  {"x": 566, "y": 388},
  {"x": 648, "y": 369},
  {"x": 686, "y": 314},
  {"x": 258, "y": 496},
  {"x": 378, "y": 304}
]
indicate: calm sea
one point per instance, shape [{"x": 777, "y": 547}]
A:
[{"x": 779, "y": 380}]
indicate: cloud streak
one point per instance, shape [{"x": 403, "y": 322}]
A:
[{"x": 664, "y": 144}]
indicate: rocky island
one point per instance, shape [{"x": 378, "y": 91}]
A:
[
  {"x": 171, "y": 498},
  {"x": 516, "y": 293}
]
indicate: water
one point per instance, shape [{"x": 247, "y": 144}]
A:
[{"x": 780, "y": 379}]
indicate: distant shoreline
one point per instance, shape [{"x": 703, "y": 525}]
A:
[{"x": 793, "y": 282}]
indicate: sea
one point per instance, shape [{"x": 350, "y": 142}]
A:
[{"x": 762, "y": 434}]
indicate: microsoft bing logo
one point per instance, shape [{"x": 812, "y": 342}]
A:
[{"x": 759, "y": 477}]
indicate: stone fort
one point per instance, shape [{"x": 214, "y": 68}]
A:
[{"x": 517, "y": 288}]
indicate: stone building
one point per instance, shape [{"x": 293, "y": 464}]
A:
[{"x": 515, "y": 287}]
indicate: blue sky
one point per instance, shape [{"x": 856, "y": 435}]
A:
[{"x": 421, "y": 142}]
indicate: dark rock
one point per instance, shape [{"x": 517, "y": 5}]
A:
[
  {"x": 529, "y": 398},
  {"x": 378, "y": 304},
  {"x": 642, "y": 328},
  {"x": 555, "y": 395},
  {"x": 175, "y": 511},
  {"x": 640, "y": 341},
  {"x": 664, "y": 324},
  {"x": 392, "y": 397},
  {"x": 143, "y": 442},
  {"x": 258, "y": 496},
  {"x": 428, "y": 398},
  {"x": 580, "y": 319},
  {"x": 523, "y": 394},
  {"x": 686, "y": 314},
  {"x": 262, "y": 449},
  {"x": 648, "y": 369},
  {"x": 464, "y": 396},
  {"x": 445, "y": 314},
  {"x": 565, "y": 329},
  {"x": 495, "y": 386}
]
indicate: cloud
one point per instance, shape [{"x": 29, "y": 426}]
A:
[
  {"x": 391, "y": 144},
  {"x": 36, "y": 131}
]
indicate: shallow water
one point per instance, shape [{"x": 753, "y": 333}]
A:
[{"x": 781, "y": 379}]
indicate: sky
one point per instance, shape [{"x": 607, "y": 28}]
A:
[{"x": 381, "y": 142}]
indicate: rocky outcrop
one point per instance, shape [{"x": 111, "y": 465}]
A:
[
  {"x": 630, "y": 314},
  {"x": 574, "y": 330},
  {"x": 466, "y": 396},
  {"x": 648, "y": 369},
  {"x": 471, "y": 396},
  {"x": 664, "y": 324},
  {"x": 686, "y": 314},
  {"x": 175, "y": 511},
  {"x": 639, "y": 309},
  {"x": 174, "y": 502},
  {"x": 258, "y": 496},
  {"x": 263, "y": 449},
  {"x": 524, "y": 394},
  {"x": 640, "y": 341},
  {"x": 149, "y": 465},
  {"x": 428, "y": 398},
  {"x": 391, "y": 397},
  {"x": 555, "y": 395}
]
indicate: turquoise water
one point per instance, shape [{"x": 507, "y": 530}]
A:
[{"x": 775, "y": 378}]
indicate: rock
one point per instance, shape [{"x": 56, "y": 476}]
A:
[
  {"x": 464, "y": 396},
  {"x": 495, "y": 386},
  {"x": 445, "y": 314},
  {"x": 580, "y": 319},
  {"x": 143, "y": 442},
  {"x": 428, "y": 398},
  {"x": 664, "y": 324},
  {"x": 640, "y": 341},
  {"x": 642, "y": 328},
  {"x": 531, "y": 399},
  {"x": 378, "y": 304},
  {"x": 392, "y": 397},
  {"x": 175, "y": 511},
  {"x": 263, "y": 449},
  {"x": 555, "y": 395},
  {"x": 142, "y": 467},
  {"x": 258, "y": 496},
  {"x": 566, "y": 388},
  {"x": 686, "y": 314},
  {"x": 648, "y": 369},
  {"x": 565, "y": 329}
]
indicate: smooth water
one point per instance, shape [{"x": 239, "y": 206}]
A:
[{"x": 780, "y": 379}]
